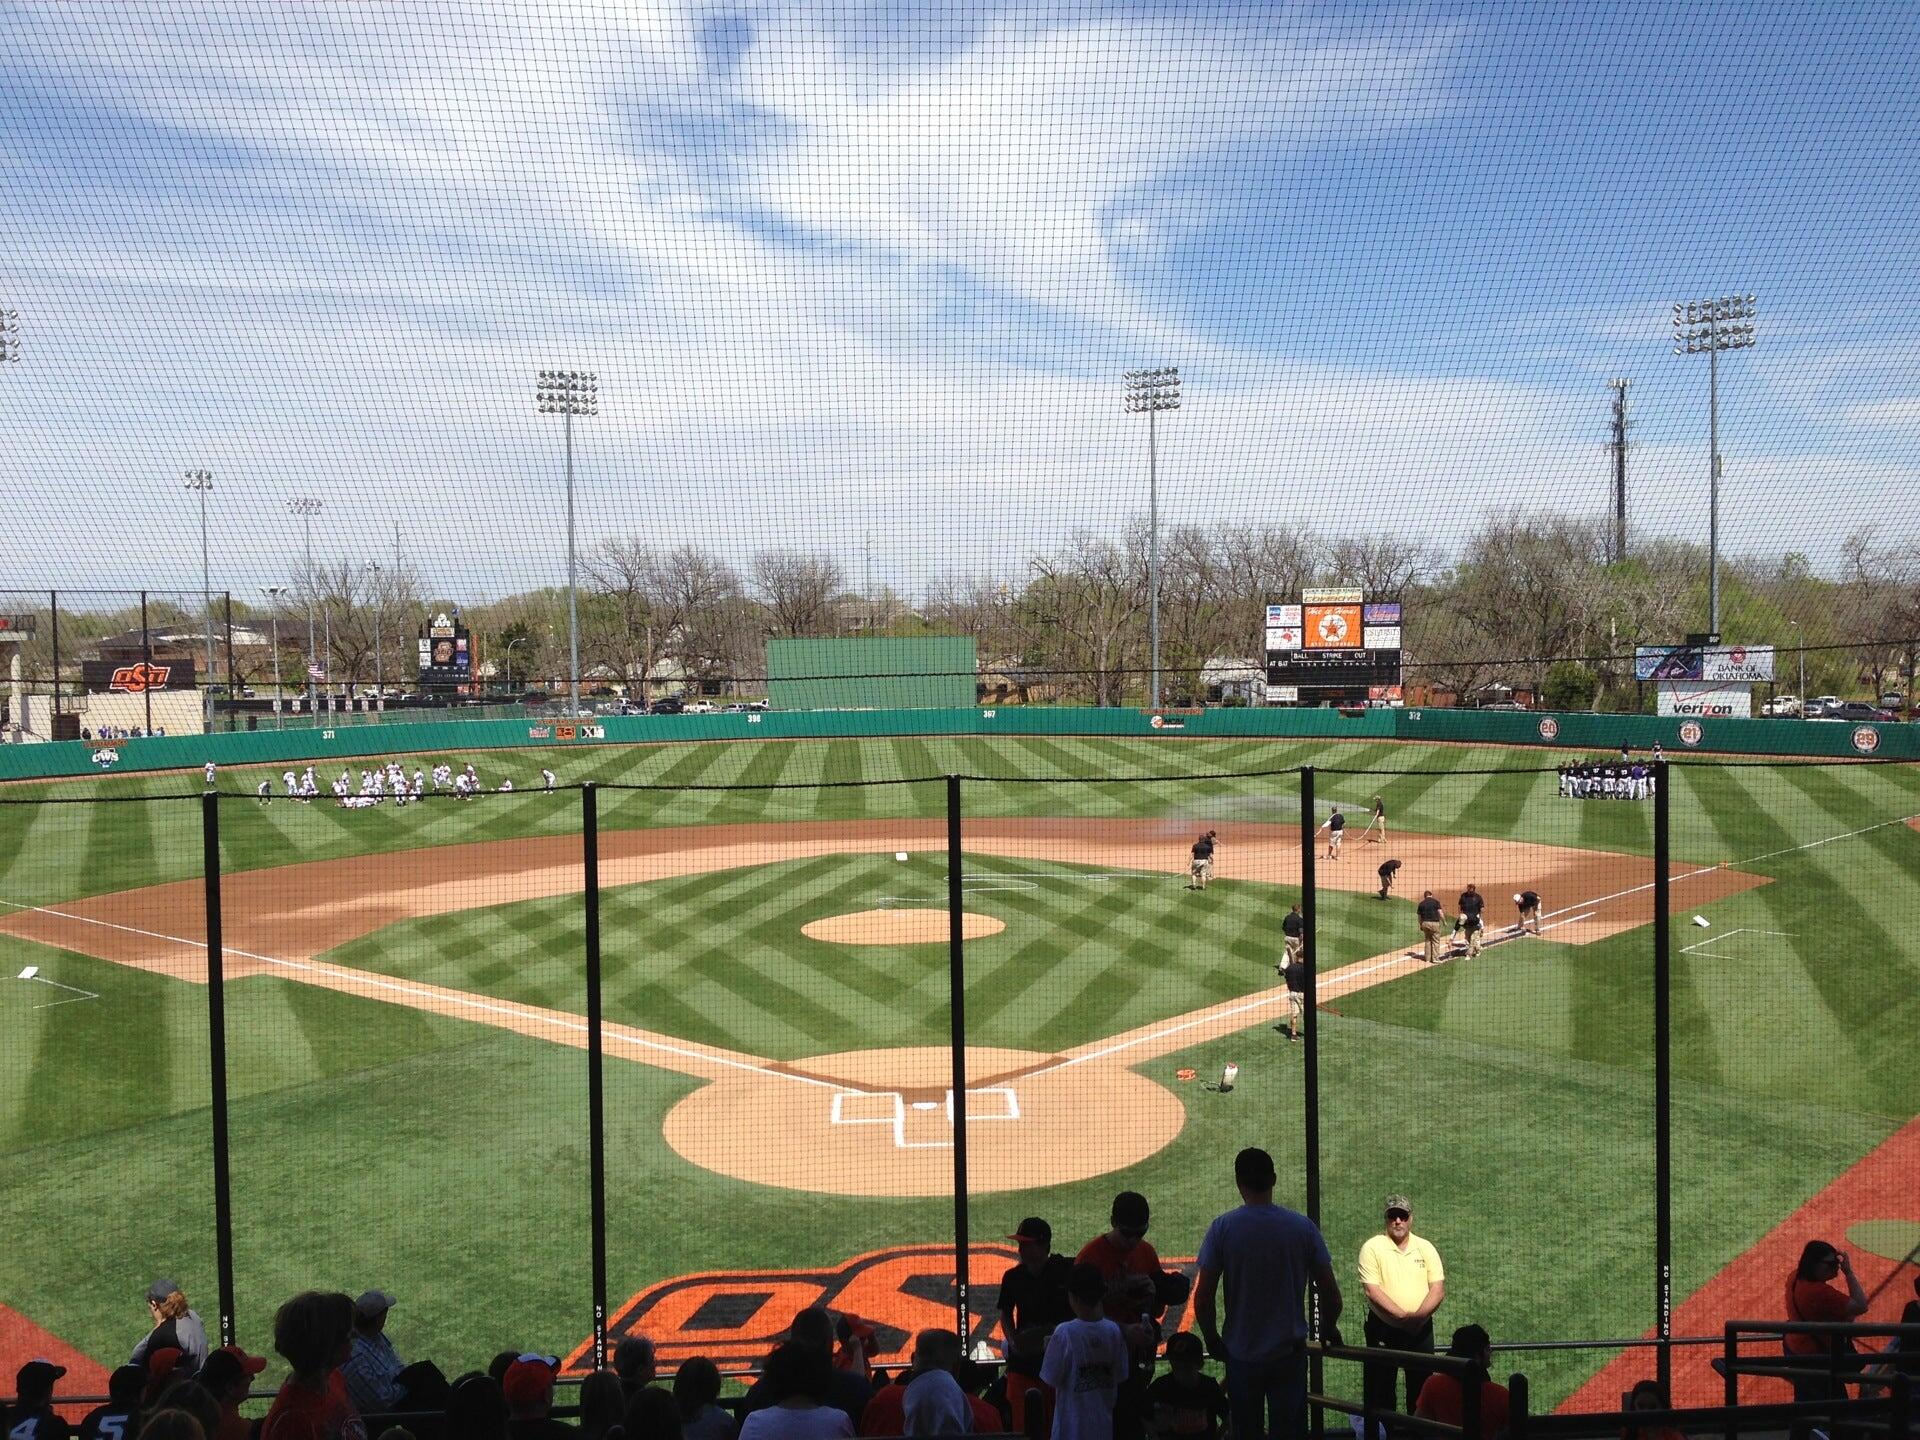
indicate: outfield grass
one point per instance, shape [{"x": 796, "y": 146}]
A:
[{"x": 378, "y": 1145}]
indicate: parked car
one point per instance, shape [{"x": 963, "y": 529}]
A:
[
  {"x": 1892, "y": 700},
  {"x": 667, "y": 705},
  {"x": 698, "y": 707},
  {"x": 1782, "y": 707},
  {"x": 737, "y": 708},
  {"x": 756, "y": 705},
  {"x": 1855, "y": 710},
  {"x": 1503, "y": 705},
  {"x": 1818, "y": 706}
]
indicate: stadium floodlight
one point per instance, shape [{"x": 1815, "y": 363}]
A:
[
  {"x": 1706, "y": 327},
  {"x": 306, "y": 507},
  {"x": 9, "y": 334},
  {"x": 570, "y": 393},
  {"x": 1149, "y": 392},
  {"x": 273, "y": 594},
  {"x": 202, "y": 481}
]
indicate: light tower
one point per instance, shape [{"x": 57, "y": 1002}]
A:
[
  {"x": 202, "y": 481},
  {"x": 1706, "y": 327},
  {"x": 570, "y": 393},
  {"x": 1151, "y": 391}
]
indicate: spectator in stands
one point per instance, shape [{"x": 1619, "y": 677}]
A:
[
  {"x": 174, "y": 1323},
  {"x": 845, "y": 1390},
  {"x": 1033, "y": 1293},
  {"x": 602, "y": 1404},
  {"x": 120, "y": 1416},
  {"x": 1404, "y": 1283},
  {"x": 633, "y": 1362},
  {"x": 313, "y": 1333},
  {"x": 1185, "y": 1404},
  {"x": 1086, "y": 1362},
  {"x": 1647, "y": 1395},
  {"x": 929, "y": 1394},
  {"x": 498, "y": 1366},
  {"x": 696, "y": 1385},
  {"x": 795, "y": 1387},
  {"x": 172, "y": 1425},
  {"x": 194, "y": 1398},
  {"x": 1443, "y": 1396},
  {"x": 1813, "y": 1295},
  {"x": 164, "y": 1367},
  {"x": 528, "y": 1387},
  {"x": 377, "y": 1378},
  {"x": 228, "y": 1375},
  {"x": 476, "y": 1410},
  {"x": 1266, "y": 1253},
  {"x": 32, "y": 1416},
  {"x": 651, "y": 1415},
  {"x": 1138, "y": 1291}
]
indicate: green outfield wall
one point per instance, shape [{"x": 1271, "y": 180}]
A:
[
  {"x": 1583, "y": 734},
  {"x": 929, "y": 672}
]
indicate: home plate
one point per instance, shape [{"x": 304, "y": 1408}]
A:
[
  {"x": 926, "y": 1104},
  {"x": 29, "y": 972}
]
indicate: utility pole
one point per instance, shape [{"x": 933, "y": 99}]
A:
[
  {"x": 202, "y": 481},
  {"x": 273, "y": 594},
  {"x": 1619, "y": 469}
]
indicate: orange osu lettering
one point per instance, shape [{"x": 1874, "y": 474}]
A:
[
  {"x": 735, "y": 1317},
  {"x": 134, "y": 679}
]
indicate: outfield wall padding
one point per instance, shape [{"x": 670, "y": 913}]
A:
[
  {"x": 1583, "y": 734},
  {"x": 927, "y": 672}
]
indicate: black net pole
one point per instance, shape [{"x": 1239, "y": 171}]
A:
[
  {"x": 1310, "y": 1089},
  {"x": 596, "y": 1090},
  {"x": 1662, "y": 1079},
  {"x": 146, "y": 660},
  {"x": 231, "y": 712},
  {"x": 217, "y": 1061},
  {"x": 957, "y": 1014}
]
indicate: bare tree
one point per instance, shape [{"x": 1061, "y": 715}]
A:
[
  {"x": 796, "y": 593},
  {"x": 1085, "y": 613},
  {"x": 1881, "y": 592}
]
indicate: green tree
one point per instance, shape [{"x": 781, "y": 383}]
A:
[{"x": 1569, "y": 686}]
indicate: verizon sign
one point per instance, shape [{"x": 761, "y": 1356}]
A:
[{"x": 1705, "y": 700}]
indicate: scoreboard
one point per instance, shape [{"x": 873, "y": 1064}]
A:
[
  {"x": 446, "y": 654},
  {"x": 1333, "y": 639}
]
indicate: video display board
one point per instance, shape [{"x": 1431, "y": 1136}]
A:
[{"x": 446, "y": 653}]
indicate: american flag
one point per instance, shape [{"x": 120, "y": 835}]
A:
[{"x": 316, "y": 672}]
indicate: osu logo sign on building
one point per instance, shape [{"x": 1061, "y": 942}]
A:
[
  {"x": 136, "y": 679},
  {"x": 735, "y": 1317}
]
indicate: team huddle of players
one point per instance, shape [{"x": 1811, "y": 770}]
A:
[
  {"x": 1607, "y": 780},
  {"x": 387, "y": 781}
]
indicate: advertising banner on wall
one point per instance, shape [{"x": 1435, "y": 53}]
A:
[
  {"x": 1704, "y": 699},
  {"x": 1333, "y": 627},
  {"x": 1382, "y": 637},
  {"x": 1726, "y": 664}
]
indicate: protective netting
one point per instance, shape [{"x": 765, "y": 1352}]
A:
[
  {"x": 1007, "y": 326},
  {"x": 405, "y": 1019}
]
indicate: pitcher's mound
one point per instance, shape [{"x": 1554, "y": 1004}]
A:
[{"x": 899, "y": 927}]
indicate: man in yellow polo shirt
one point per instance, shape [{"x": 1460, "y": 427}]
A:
[{"x": 1405, "y": 1284}]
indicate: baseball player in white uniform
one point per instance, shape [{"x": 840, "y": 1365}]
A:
[
  {"x": 505, "y": 786},
  {"x": 212, "y": 770},
  {"x": 263, "y": 792},
  {"x": 547, "y": 776},
  {"x": 292, "y": 784},
  {"x": 462, "y": 786},
  {"x": 442, "y": 774},
  {"x": 419, "y": 783}
]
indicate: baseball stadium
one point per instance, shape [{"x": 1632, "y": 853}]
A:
[{"x": 854, "y": 818}]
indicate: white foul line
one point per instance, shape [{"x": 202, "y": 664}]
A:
[{"x": 457, "y": 998}]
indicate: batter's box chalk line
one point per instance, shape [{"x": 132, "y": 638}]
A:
[
  {"x": 32, "y": 972},
  {"x": 893, "y": 1108},
  {"x": 1701, "y": 947}
]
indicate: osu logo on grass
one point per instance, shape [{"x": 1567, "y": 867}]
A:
[
  {"x": 133, "y": 679},
  {"x": 735, "y": 1317}
]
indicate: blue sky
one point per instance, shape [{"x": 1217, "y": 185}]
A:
[{"x": 861, "y": 270}]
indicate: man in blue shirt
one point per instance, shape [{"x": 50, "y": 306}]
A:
[{"x": 1267, "y": 1254}]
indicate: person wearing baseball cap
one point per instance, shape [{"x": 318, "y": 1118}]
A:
[
  {"x": 377, "y": 1378},
  {"x": 120, "y": 1416},
  {"x": 227, "y": 1376},
  {"x": 528, "y": 1386},
  {"x": 175, "y": 1324},
  {"x": 31, "y": 1416},
  {"x": 1405, "y": 1283},
  {"x": 1033, "y": 1293}
]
